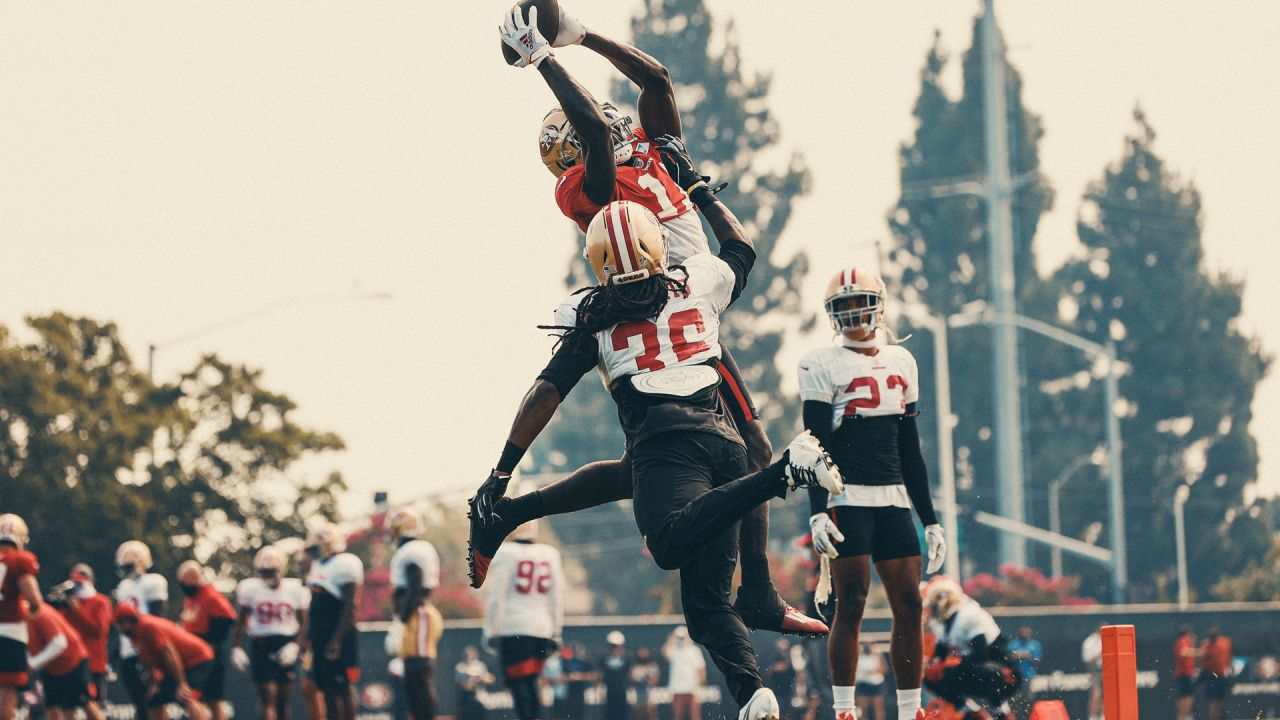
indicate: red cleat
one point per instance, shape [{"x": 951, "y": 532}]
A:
[{"x": 764, "y": 609}]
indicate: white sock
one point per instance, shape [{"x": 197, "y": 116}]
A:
[
  {"x": 908, "y": 704},
  {"x": 842, "y": 696}
]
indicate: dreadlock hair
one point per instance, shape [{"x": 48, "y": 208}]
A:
[{"x": 608, "y": 304}]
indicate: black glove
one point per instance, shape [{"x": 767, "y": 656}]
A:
[
  {"x": 675, "y": 156},
  {"x": 487, "y": 497}
]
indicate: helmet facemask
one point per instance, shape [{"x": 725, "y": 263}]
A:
[
  {"x": 855, "y": 311},
  {"x": 620, "y": 133}
]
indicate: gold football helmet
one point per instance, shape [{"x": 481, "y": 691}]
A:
[
  {"x": 13, "y": 529},
  {"x": 135, "y": 553},
  {"x": 855, "y": 300},
  {"x": 559, "y": 145},
  {"x": 942, "y": 597},
  {"x": 403, "y": 523},
  {"x": 626, "y": 243},
  {"x": 327, "y": 539},
  {"x": 270, "y": 561}
]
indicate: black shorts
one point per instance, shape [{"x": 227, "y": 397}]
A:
[
  {"x": 733, "y": 391},
  {"x": 197, "y": 678},
  {"x": 340, "y": 674},
  {"x": 1216, "y": 687},
  {"x": 215, "y": 688},
  {"x": 264, "y": 667},
  {"x": 523, "y": 656},
  {"x": 1186, "y": 686},
  {"x": 70, "y": 691},
  {"x": 99, "y": 681},
  {"x": 884, "y": 533},
  {"x": 13, "y": 663}
]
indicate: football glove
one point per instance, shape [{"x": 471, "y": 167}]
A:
[
  {"x": 571, "y": 31},
  {"x": 825, "y": 534},
  {"x": 675, "y": 157},
  {"x": 936, "y": 540},
  {"x": 240, "y": 658},
  {"x": 524, "y": 37},
  {"x": 487, "y": 496},
  {"x": 395, "y": 668},
  {"x": 288, "y": 653}
]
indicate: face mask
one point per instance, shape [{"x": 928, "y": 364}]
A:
[
  {"x": 190, "y": 590},
  {"x": 83, "y": 591},
  {"x": 125, "y": 570},
  {"x": 313, "y": 552}
]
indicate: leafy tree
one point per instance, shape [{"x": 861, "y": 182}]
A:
[
  {"x": 94, "y": 453},
  {"x": 1191, "y": 376},
  {"x": 727, "y": 127}
]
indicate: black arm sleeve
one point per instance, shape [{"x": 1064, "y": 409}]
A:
[
  {"x": 914, "y": 473},
  {"x": 219, "y": 630},
  {"x": 156, "y": 607},
  {"x": 740, "y": 257},
  {"x": 817, "y": 420},
  {"x": 571, "y": 361},
  {"x": 980, "y": 650}
]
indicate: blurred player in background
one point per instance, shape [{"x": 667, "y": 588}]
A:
[
  {"x": 971, "y": 661},
  {"x": 415, "y": 572},
  {"x": 860, "y": 402},
  {"x": 335, "y": 579},
  {"x": 19, "y": 595},
  {"x": 148, "y": 593},
  {"x": 524, "y": 614},
  {"x": 597, "y": 158},
  {"x": 59, "y": 655},
  {"x": 471, "y": 675},
  {"x": 90, "y": 613},
  {"x": 208, "y": 615},
  {"x": 271, "y": 611},
  {"x": 177, "y": 664}
]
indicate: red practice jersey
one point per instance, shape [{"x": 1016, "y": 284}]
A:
[
  {"x": 14, "y": 565},
  {"x": 204, "y": 606},
  {"x": 91, "y": 617},
  {"x": 45, "y": 626},
  {"x": 642, "y": 179},
  {"x": 154, "y": 633}
]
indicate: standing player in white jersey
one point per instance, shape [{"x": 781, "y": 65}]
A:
[
  {"x": 860, "y": 402},
  {"x": 597, "y": 157},
  {"x": 415, "y": 572},
  {"x": 335, "y": 578},
  {"x": 146, "y": 592},
  {"x": 653, "y": 331},
  {"x": 524, "y": 614},
  {"x": 272, "y": 609}
]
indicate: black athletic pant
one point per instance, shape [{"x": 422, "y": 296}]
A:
[
  {"x": 524, "y": 697},
  {"x": 988, "y": 682},
  {"x": 135, "y": 685},
  {"x": 419, "y": 687},
  {"x": 690, "y": 492}
]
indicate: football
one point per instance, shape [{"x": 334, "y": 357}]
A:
[{"x": 548, "y": 23}]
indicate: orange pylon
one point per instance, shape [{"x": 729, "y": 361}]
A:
[{"x": 1119, "y": 672}]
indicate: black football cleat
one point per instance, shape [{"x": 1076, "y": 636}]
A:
[
  {"x": 483, "y": 542},
  {"x": 764, "y": 609}
]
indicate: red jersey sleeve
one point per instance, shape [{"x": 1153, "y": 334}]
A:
[
  {"x": 573, "y": 200},
  {"x": 216, "y": 605},
  {"x": 26, "y": 564}
]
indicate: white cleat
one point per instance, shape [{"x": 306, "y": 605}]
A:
[
  {"x": 809, "y": 465},
  {"x": 762, "y": 706}
]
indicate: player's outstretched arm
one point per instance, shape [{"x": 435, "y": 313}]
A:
[{"x": 657, "y": 102}]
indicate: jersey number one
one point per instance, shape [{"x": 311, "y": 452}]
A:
[
  {"x": 647, "y": 331},
  {"x": 655, "y": 186}
]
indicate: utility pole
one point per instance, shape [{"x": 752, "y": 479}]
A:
[{"x": 1006, "y": 381}]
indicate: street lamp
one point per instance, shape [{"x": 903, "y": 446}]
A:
[
  {"x": 247, "y": 315},
  {"x": 1055, "y": 507},
  {"x": 1180, "y": 528}
]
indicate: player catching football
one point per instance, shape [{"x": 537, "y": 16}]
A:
[
  {"x": 860, "y": 401},
  {"x": 597, "y": 158},
  {"x": 653, "y": 330}
]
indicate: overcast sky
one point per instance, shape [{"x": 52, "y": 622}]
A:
[{"x": 171, "y": 165}]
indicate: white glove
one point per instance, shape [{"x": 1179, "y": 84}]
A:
[
  {"x": 395, "y": 668},
  {"x": 571, "y": 31},
  {"x": 524, "y": 37},
  {"x": 287, "y": 655},
  {"x": 936, "y": 539},
  {"x": 394, "y": 638},
  {"x": 240, "y": 658},
  {"x": 825, "y": 534}
]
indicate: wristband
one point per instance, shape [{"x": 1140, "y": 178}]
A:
[
  {"x": 511, "y": 456},
  {"x": 701, "y": 195}
]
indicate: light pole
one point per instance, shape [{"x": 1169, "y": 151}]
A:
[
  {"x": 264, "y": 309},
  {"x": 1180, "y": 528},
  {"x": 1055, "y": 508}
]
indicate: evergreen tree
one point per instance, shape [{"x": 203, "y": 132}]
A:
[{"x": 1191, "y": 374}]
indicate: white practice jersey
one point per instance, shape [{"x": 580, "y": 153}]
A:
[
  {"x": 685, "y": 238},
  {"x": 687, "y": 332},
  {"x": 524, "y": 592},
  {"x": 967, "y": 624},
  {"x": 335, "y": 571},
  {"x": 420, "y": 553},
  {"x": 140, "y": 591},
  {"x": 858, "y": 385},
  {"x": 273, "y": 611}
]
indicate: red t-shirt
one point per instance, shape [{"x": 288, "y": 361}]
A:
[
  {"x": 46, "y": 625},
  {"x": 643, "y": 179},
  {"x": 202, "y": 607},
  {"x": 14, "y": 565},
  {"x": 1217, "y": 656},
  {"x": 1184, "y": 665},
  {"x": 154, "y": 633},
  {"x": 91, "y": 617}
]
